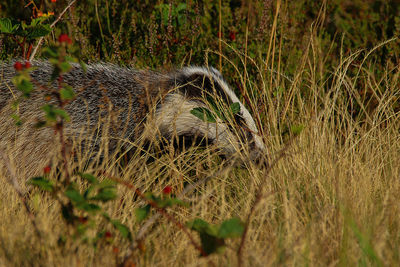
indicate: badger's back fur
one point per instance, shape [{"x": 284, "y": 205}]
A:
[{"x": 124, "y": 103}]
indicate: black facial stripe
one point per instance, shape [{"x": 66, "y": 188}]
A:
[{"x": 199, "y": 85}]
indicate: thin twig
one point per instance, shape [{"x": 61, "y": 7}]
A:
[
  {"x": 259, "y": 196},
  {"x": 13, "y": 181},
  {"x": 51, "y": 26}
]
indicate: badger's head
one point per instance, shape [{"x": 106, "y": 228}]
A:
[{"x": 205, "y": 88}]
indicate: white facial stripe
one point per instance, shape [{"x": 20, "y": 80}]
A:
[
  {"x": 174, "y": 117},
  {"x": 245, "y": 113}
]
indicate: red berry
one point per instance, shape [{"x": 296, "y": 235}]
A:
[
  {"x": 53, "y": 1},
  {"x": 232, "y": 35},
  {"x": 64, "y": 38},
  {"x": 18, "y": 66},
  {"x": 27, "y": 65},
  {"x": 108, "y": 235},
  {"x": 46, "y": 169},
  {"x": 167, "y": 190}
]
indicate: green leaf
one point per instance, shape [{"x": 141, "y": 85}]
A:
[
  {"x": 297, "y": 129},
  {"x": 62, "y": 113},
  {"x": 26, "y": 87},
  {"x": 231, "y": 228},
  {"x": 49, "y": 111},
  {"x": 38, "y": 20},
  {"x": 42, "y": 183},
  {"x": 88, "y": 177},
  {"x": 202, "y": 226},
  {"x": 142, "y": 213},
  {"x": 210, "y": 243},
  {"x": 39, "y": 30},
  {"x": 105, "y": 194},
  {"x": 203, "y": 114},
  {"x": 107, "y": 183},
  {"x": 235, "y": 108},
  {"x": 52, "y": 113},
  {"x": 23, "y": 84},
  {"x": 88, "y": 207},
  {"x": 213, "y": 236},
  {"x": 67, "y": 93},
  {"x": 6, "y": 26},
  {"x": 74, "y": 195},
  {"x": 123, "y": 229},
  {"x": 64, "y": 66}
]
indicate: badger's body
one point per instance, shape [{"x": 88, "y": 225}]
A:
[{"x": 122, "y": 104}]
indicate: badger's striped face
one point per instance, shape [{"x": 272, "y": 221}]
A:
[{"x": 192, "y": 86}]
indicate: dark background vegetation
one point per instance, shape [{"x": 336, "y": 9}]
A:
[{"x": 154, "y": 33}]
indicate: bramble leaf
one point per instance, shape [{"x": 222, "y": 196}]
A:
[
  {"x": 6, "y": 26},
  {"x": 203, "y": 114},
  {"x": 42, "y": 183},
  {"x": 89, "y": 207},
  {"x": 142, "y": 213},
  {"x": 105, "y": 194},
  {"x": 67, "y": 93},
  {"x": 123, "y": 229},
  {"x": 231, "y": 228},
  {"x": 88, "y": 177},
  {"x": 74, "y": 195},
  {"x": 235, "y": 108},
  {"x": 39, "y": 30}
]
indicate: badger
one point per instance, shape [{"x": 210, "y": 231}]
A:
[{"x": 122, "y": 104}]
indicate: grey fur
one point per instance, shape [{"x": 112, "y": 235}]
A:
[{"x": 124, "y": 103}]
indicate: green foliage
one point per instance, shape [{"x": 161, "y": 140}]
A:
[
  {"x": 6, "y": 26},
  {"x": 297, "y": 129},
  {"x": 206, "y": 115},
  {"x": 53, "y": 113},
  {"x": 23, "y": 83},
  {"x": 42, "y": 183},
  {"x": 67, "y": 93},
  {"x": 87, "y": 201},
  {"x": 213, "y": 236},
  {"x": 23, "y": 33},
  {"x": 203, "y": 114},
  {"x": 161, "y": 202},
  {"x": 142, "y": 213}
]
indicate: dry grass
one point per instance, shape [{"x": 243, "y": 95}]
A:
[{"x": 332, "y": 200}]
